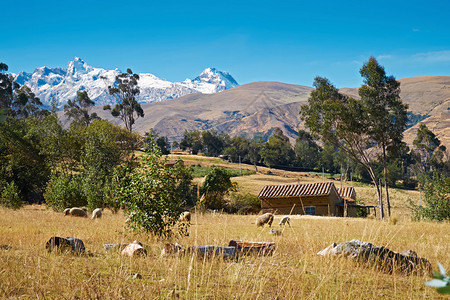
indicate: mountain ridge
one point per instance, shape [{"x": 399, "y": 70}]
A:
[{"x": 60, "y": 85}]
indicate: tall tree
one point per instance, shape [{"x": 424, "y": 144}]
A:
[
  {"x": 374, "y": 123},
  {"x": 277, "y": 150},
  {"x": 78, "y": 109},
  {"x": 427, "y": 146},
  {"x": 6, "y": 87},
  {"x": 125, "y": 90},
  {"x": 338, "y": 120},
  {"x": 384, "y": 112}
]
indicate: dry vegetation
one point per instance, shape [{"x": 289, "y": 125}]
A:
[{"x": 293, "y": 272}]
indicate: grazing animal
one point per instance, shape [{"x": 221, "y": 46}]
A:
[
  {"x": 284, "y": 220},
  {"x": 97, "y": 213},
  {"x": 66, "y": 211},
  {"x": 185, "y": 217},
  {"x": 76, "y": 212},
  {"x": 134, "y": 249},
  {"x": 171, "y": 248},
  {"x": 266, "y": 218}
]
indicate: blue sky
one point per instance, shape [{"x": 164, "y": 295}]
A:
[{"x": 286, "y": 41}]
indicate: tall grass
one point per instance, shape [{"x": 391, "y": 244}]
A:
[{"x": 293, "y": 272}]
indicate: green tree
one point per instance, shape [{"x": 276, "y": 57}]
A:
[
  {"x": 213, "y": 142},
  {"x": 428, "y": 147},
  {"x": 217, "y": 184},
  {"x": 277, "y": 151},
  {"x": 151, "y": 197},
  {"x": 338, "y": 120},
  {"x": 307, "y": 151},
  {"x": 436, "y": 197},
  {"x": 125, "y": 90},
  {"x": 78, "y": 109},
  {"x": 6, "y": 87},
  {"x": 193, "y": 141},
  {"x": 385, "y": 114}
]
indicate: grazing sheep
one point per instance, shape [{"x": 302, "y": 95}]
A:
[
  {"x": 66, "y": 211},
  {"x": 171, "y": 248},
  {"x": 77, "y": 212},
  {"x": 134, "y": 249},
  {"x": 284, "y": 220},
  {"x": 97, "y": 213},
  {"x": 185, "y": 217},
  {"x": 263, "y": 219}
]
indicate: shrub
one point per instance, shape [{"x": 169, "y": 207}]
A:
[
  {"x": 436, "y": 199},
  {"x": 65, "y": 191},
  {"x": 243, "y": 203},
  {"x": 10, "y": 197},
  {"x": 217, "y": 184},
  {"x": 150, "y": 195}
]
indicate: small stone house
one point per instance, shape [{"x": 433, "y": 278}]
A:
[{"x": 320, "y": 199}]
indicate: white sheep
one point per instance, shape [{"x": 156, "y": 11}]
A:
[
  {"x": 284, "y": 220},
  {"x": 266, "y": 218},
  {"x": 185, "y": 217},
  {"x": 76, "y": 212},
  {"x": 97, "y": 213}
]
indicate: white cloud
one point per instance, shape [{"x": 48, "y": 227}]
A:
[
  {"x": 432, "y": 57},
  {"x": 386, "y": 56}
]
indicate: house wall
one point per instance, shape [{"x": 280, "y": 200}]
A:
[{"x": 325, "y": 204}]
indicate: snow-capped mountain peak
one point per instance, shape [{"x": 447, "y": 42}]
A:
[{"x": 63, "y": 84}]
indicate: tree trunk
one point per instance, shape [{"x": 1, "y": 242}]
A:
[
  {"x": 385, "y": 180},
  {"x": 378, "y": 187}
]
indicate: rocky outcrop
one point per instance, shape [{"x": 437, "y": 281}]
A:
[{"x": 405, "y": 262}]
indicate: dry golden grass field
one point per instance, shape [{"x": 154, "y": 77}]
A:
[{"x": 28, "y": 271}]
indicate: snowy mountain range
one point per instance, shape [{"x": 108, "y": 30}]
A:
[{"x": 60, "y": 85}]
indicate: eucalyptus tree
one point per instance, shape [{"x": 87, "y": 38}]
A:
[{"x": 125, "y": 90}]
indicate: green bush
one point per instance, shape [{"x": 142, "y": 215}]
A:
[
  {"x": 10, "y": 197},
  {"x": 436, "y": 198},
  {"x": 65, "y": 191},
  {"x": 239, "y": 203},
  {"x": 151, "y": 197}
]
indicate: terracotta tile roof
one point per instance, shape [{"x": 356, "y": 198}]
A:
[
  {"x": 347, "y": 192},
  {"x": 295, "y": 190}
]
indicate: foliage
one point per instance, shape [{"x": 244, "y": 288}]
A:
[
  {"x": 199, "y": 171},
  {"x": 436, "y": 198},
  {"x": 441, "y": 281},
  {"x": 192, "y": 140},
  {"x": 247, "y": 150},
  {"x": 10, "y": 197},
  {"x": 217, "y": 184},
  {"x": 78, "y": 109},
  {"x": 277, "y": 151},
  {"x": 6, "y": 87},
  {"x": 429, "y": 149},
  {"x": 151, "y": 195},
  {"x": 65, "y": 191},
  {"x": 306, "y": 150},
  {"x": 213, "y": 142},
  {"x": 242, "y": 203},
  {"x": 125, "y": 89}
]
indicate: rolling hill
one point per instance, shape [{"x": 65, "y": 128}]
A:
[{"x": 259, "y": 107}]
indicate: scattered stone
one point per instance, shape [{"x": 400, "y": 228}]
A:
[
  {"x": 275, "y": 232},
  {"x": 114, "y": 247},
  {"x": 5, "y": 247},
  {"x": 406, "y": 262},
  {"x": 213, "y": 251},
  {"x": 134, "y": 249},
  {"x": 247, "y": 247},
  {"x": 137, "y": 276},
  {"x": 65, "y": 244}
]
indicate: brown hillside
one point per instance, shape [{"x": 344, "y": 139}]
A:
[{"x": 259, "y": 107}]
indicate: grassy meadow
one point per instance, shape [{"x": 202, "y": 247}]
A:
[{"x": 27, "y": 271}]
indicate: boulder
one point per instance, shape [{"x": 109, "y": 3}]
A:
[
  {"x": 247, "y": 247},
  {"x": 406, "y": 262},
  {"x": 65, "y": 244},
  {"x": 213, "y": 251}
]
